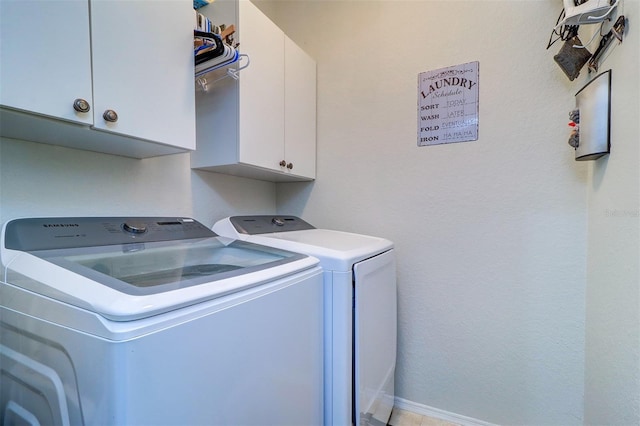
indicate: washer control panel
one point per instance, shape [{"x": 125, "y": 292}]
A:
[
  {"x": 265, "y": 224},
  {"x": 70, "y": 232}
]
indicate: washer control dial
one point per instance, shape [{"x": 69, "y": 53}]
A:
[{"x": 134, "y": 227}]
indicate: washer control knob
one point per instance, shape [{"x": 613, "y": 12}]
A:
[
  {"x": 277, "y": 221},
  {"x": 283, "y": 163},
  {"x": 134, "y": 227}
]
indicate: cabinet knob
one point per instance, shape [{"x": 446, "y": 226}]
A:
[
  {"x": 283, "y": 163},
  {"x": 81, "y": 105},
  {"x": 290, "y": 166},
  {"x": 110, "y": 116}
]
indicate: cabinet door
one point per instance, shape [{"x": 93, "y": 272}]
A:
[
  {"x": 261, "y": 115},
  {"x": 300, "y": 110},
  {"x": 45, "y": 57},
  {"x": 143, "y": 69}
]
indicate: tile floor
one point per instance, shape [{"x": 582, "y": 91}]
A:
[{"x": 407, "y": 418}]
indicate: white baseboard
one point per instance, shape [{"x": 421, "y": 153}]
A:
[{"x": 425, "y": 410}]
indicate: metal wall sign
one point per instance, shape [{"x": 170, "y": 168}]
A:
[{"x": 448, "y": 105}]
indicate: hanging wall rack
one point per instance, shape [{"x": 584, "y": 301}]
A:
[
  {"x": 203, "y": 77},
  {"x": 215, "y": 52}
]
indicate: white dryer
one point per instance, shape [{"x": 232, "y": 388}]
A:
[
  {"x": 155, "y": 321},
  {"x": 360, "y": 311}
]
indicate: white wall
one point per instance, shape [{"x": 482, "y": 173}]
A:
[
  {"x": 612, "y": 375},
  {"x": 491, "y": 235},
  {"x": 45, "y": 180}
]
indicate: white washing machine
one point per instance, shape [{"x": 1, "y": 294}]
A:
[
  {"x": 155, "y": 321},
  {"x": 360, "y": 311}
]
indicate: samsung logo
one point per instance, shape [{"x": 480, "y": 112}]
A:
[{"x": 60, "y": 225}]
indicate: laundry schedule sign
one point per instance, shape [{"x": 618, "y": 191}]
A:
[{"x": 448, "y": 105}]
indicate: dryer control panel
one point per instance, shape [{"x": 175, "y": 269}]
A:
[{"x": 265, "y": 224}]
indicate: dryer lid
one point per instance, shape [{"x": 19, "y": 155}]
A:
[{"x": 336, "y": 250}]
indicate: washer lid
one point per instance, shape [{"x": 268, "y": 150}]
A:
[{"x": 142, "y": 277}]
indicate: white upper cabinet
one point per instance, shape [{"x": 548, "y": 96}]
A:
[
  {"x": 262, "y": 126},
  {"x": 143, "y": 69},
  {"x": 130, "y": 63},
  {"x": 300, "y": 110},
  {"x": 46, "y": 57},
  {"x": 261, "y": 88}
]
